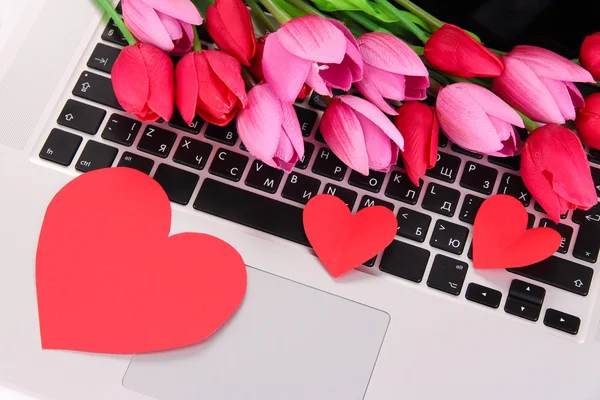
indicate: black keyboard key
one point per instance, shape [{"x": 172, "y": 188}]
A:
[
  {"x": 530, "y": 220},
  {"x": 404, "y": 260},
  {"x": 119, "y": 8},
  {"x": 594, "y": 155},
  {"x": 309, "y": 149},
  {"x": 96, "y": 88},
  {"x": 203, "y": 34},
  {"x": 558, "y": 272},
  {"x": 251, "y": 209},
  {"x": 448, "y": 236},
  {"x": 469, "y": 208},
  {"x": 178, "y": 184},
  {"x": 596, "y": 178},
  {"x": 479, "y": 178},
  {"x": 60, "y": 147},
  {"x": 223, "y": 134},
  {"x": 103, "y": 58},
  {"x": 539, "y": 208},
  {"x": 372, "y": 182},
  {"x": 264, "y": 177},
  {"x": 300, "y": 188},
  {"x": 113, "y": 34},
  {"x": 157, "y": 141},
  {"x": 346, "y": 195},
  {"x": 522, "y": 308},
  {"x": 95, "y": 156},
  {"x": 412, "y": 224},
  {"x": 192, "y": 153},
  {"x": 446, "y": 168},
  {"x": 368, "y": 201},
  {"x": 590, "y": 217},
  {"x": 122, "y": 130},
  {"x": 447, "y": 274},
  {"x": 319, "y": 136},
  {"x": 194, "y": 128},
  {"x": 228, "y": 165},
  {"x": 442, "y": 139},
  {"x": 136, "y": 161},
  {"x": 513, "y": 185},
  {"x": 527, "y": 292},
  {"x": 316, "y": 101},
  {"x": 456, "y": 148},
  {"x": 307, "y": 119},
  {"x": 587, "y": 244},
  {"x": 513, "y": 163},
  {"x": 327, "y": 164},
  {"x": 401, "y": 188},
  {"x": 562, "y": 321},
  {"x": 483, "y": 295},
  {"x": 565, "y": 231},
  {"x": 441, "y": 199},
  {"x": 81, "y": 117},
  {"x": 371, "y": 262}
]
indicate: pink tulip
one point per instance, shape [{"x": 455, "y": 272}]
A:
[
  {"x": 166, "y": 24},
  {"x": 392, "y": 70},
  {"x": 539, "y": 83},
  {"x": 556, "y": 171},
  {"x": 270, "y": 130},
  {"x": 361, "y": 135},
  {"x": 478, "y": 120},
  {"x": 321, "y": 52}
]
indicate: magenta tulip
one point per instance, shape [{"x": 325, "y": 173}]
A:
[
  {"x": 539, "y": 83},
  {"x": 361, "y": 135},
  {"x": 392, "y": 70},
  {"x": 270, "y": 130},
  {"x": 321, "y": 52},
  {"x": 478, "y": 120}
]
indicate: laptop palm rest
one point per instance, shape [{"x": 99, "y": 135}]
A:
[{"x": 286, "y": 341}]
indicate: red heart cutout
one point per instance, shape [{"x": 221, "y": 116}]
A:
[
  {"x": 501, "y": 238},
  {"x": 343, "y": 241},
  {"x": 111, "y": 280}
]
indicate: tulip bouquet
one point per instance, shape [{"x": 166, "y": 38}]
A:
[{"x": 365, "y": 59}]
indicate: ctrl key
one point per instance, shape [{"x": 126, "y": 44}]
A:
[{"x": 60, "y": 147}]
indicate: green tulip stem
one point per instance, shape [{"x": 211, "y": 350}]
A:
[
  {"x": 277, "y": 12},
  {"x": 307, "y": 8},
  {"x": 361, "y": 19},
  {"x": 261, "y": 16},
  {"x": 529, "y": 124},
  {"x": 419, "y": 12},
  {"x": 105, "y": 4},
  {"x": 404, "y": 20},
  {"x": 197, "y": 44}
]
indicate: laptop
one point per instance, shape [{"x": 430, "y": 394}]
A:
[{"x": 416, "y": 322}]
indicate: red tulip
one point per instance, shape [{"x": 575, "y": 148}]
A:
[
  {"x": 419, "y": 127},
  {"x": 228, "y": 23},
  {"x": 588, "y": 121},
  {"x": 590, "y": 55},
  {"x": 143, "y": 81},
  {"x": 556, "y": 171},
  {"x": 256, "y": 61},
  {"x": 455, "y": 52},
  {"x": 210, "y": 83}
]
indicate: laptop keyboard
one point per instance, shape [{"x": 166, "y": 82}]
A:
[{"x": 435, "y": 219}]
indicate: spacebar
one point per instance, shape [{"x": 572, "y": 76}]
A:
[{"x": 253, "y": 210}]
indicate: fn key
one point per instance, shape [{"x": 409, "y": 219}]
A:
[{"x": 60, "y": 147}]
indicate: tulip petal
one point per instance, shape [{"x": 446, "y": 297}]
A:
[
  {"x": 490, "y": 103},
  {"x": 547, "y": 64},
  {"x": 561, "y": 96},
  {"x": 186, "y": 87},
  {"x": 172, "y": 26},
  {"x": 391, "y": 54},
  {"x": 381, "y": 151},
  {"x": 352, "y": 58},
  {"x": 130, "y": 79},
  {"x": 161, "y": 91},
  {"x": 145, "y": 25},
  {"x": 342, "y": 131},
  {"x": 213, "y": 96},
  {"x": 236, "y": 36},
  {"x": 313, "y": 38},
  {"x": 372, "y": 113},
  {"x": 337, "y": 76},
  {"x": 520, "y": 87},
  {"x": 369, "y": 89},
  {"x": 575, "y": 94},
  {"x": 511, "y": 142},
  {"x": 285, "y": 156},
  {"x": 291, "y": 128},
  {"x": 285, "y": 72},
  {"x": 229, "y": 71},
  {"x": 259, "y": 124},
  {"x": 390, "y": 86},
  {"x": 317, "y": 83},
  {"x": 183, "y": 10}
]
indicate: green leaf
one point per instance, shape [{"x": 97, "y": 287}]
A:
[
  {"x": 289, "y": 9},
  {"x": 366, "y": 6},
  {"x": 416, "y": 20}
]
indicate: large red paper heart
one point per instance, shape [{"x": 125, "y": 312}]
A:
[
  {"x": 501, "y": 238},
  {"x": 343, "y": 241},
  {"x": 111, "y": 280}
]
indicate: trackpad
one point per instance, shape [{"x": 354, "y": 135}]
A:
[{"x": 287, "y": 341}]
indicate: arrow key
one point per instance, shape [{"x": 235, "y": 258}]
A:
[
  {"x": 527, "y": 292},
  {"x": 412, "y": 224},
  {"x": 483, "y": 295},
  {"x": 521, "y": 308},
  {"x": 562, "y": 321}
]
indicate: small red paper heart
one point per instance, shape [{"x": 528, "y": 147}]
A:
[
  {"x": 501, "y": 238},
  {"x": 111, "y": 280},
  {"x": 343, "y": 241}
]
